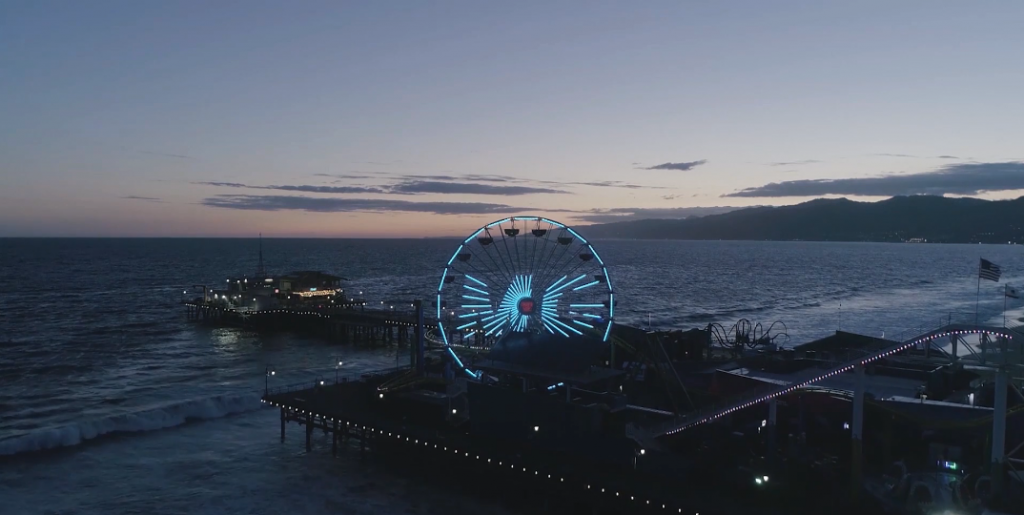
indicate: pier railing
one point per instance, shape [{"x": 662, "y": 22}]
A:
[{"x": 347, "y": 378}]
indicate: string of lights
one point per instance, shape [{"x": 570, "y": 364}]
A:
[{"x": 489, "y": 461}]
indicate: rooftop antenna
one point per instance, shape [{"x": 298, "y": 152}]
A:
[{"x": 260, "y": 271}]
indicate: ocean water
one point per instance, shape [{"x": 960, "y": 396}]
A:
[{"x": 111, "y": 402}]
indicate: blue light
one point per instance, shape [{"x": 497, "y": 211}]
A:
[
  {"x": 461, "y": 327},
  {"x": 521, "y": 288},
  {"x": 474, "y": 279},
  {"x": 586, "y": 305},
  {"x": 495, "y": 328},
  {"x": 591, "y": 315},
  {"x": 499, "y": 222},
  {"x": 611, "y": 305},
  {"x": 564, "y": 277},
  {"x": 525, "y": 218},
  {"x": 478, "y": 290},
  {"x": 594, "y": 252},
  {"x": 439, "y": 305},
  {"x": 455, "y": 255},
  {"x": 445, "y": 274},
  {"x": 472, "y": 306},
  {"x": 549, "y": 296},
  {"x": 470, "y": 297},
  {"x": 478, "y": 231},
  {"x": 470, "y": 315},
  {"x": 552, "y": 222},
  {"x": 572, "y": 232},
  {"x": 440, "y": 328},
  {"x": 607, "y": 279},
  {"x": 584, "y": 324},
  {"x": 549, "y": 327},
  {"x": 552, "y": 387},
  {"x": 607, "y": 331},
  {"x": 588, "y": 285},
  {"x": 492, "y": 317},
  {"x": 568, "y": 284},
  {"x": 492, "y": 323},
  {"x": 559, "y": 322}
]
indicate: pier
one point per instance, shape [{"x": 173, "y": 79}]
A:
[
  {"x": 345, "y": 322},
  {"x": 521, "y": 370}
]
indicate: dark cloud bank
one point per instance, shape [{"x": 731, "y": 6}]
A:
[
  {"x": 958, "y": 179},
  {"x": 677, "y": 166},
  {"x": 347, "y": 205}
]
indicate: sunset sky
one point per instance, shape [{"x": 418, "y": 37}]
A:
[{"x": 229, "y": 118}]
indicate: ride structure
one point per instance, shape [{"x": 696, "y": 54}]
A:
[{"x": 523, "y": 275}]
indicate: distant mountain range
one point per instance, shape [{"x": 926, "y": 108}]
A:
[{"x": 931, "y": 218}]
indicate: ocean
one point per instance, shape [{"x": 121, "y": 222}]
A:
[{"x": 112, "y": 403}]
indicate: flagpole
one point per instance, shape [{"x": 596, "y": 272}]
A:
[
  {"x": 977, "y": 297},
  {"x": 1006, "y": 290}
]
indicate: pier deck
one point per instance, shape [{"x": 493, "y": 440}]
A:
[{"x": 435, "y": 426}]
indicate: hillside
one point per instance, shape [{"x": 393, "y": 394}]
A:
[{"x": 937, "y": 219}]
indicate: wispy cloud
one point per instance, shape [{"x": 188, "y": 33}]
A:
[
  {"x": 345, "y": 175},
  {"x": 956, "y": 179},
  {"x": 146, "y": 199},
  {"x": 795, "y": 163},
  {"x": 224, "y": 184},
  {"x": 466, "y": 188},
  {"x": 625, "y": 214},
  {"x": 677, "y": 166},
  {"x": 401, "y": 188},
  {"x": 163, "y": 154},
  {"x": 893, "y": 155},
  {"x": 917, "y": 157},
  {"x": 613, "y": 184},
  {"x": 348, "y": 205}
]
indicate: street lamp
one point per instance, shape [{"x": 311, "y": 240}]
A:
[
  {"x": 336, "y": 369},
  {"x": 266, "y": 380}
]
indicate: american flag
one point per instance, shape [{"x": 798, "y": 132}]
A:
[{"x": 989, "y": 271}]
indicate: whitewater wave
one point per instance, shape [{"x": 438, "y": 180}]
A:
[{"x": 150, "y": 419}]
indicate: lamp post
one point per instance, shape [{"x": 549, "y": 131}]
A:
[
  {"x": 337, "y": 368},
  {"x": 266, "y": 379}
]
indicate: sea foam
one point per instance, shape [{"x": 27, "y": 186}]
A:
[{"x": 150, "y": 419}]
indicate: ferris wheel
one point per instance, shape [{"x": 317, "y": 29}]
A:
[{"x": 524, "y": 274}]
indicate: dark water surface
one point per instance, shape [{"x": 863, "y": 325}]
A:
[{"x": 94, "y": 348}]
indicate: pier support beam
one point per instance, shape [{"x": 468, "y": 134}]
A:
[
  {"x": 857, "y": 433},
  {"x": 283, "y": 420},
  {"x": 999, "y": 432},
  {"x": 773, "y": 406},
  {"x": 420, "y": 336},
  {"x": 309, "y": 432},
  {"x": 334, "y": 440}
]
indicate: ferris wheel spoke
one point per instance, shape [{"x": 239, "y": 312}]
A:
[
  {"x": 549, "y": 273},
  {"x": 497, "y": 271},
  {"x": 564, "y": 265},
  {"x": 537, "y": 240},
  {"x": 509, "y": 269}
]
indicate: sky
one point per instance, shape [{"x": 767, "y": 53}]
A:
[{"x": 410, "y": 119}]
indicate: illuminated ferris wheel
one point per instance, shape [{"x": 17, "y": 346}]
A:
[{"x": 524, "y": 274}]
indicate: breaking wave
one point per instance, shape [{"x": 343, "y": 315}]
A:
[{"x": 151, "y": 419}]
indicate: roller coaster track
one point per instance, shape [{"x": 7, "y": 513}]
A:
[
  {"x": 745, "y": 334},
  {"x": 710, "y": 414}
]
